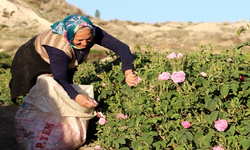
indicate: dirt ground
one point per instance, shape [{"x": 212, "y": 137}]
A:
[{"x": 7, "y": 134}]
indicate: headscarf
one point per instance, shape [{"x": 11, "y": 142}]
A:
[{"x": 70, "y": 25}]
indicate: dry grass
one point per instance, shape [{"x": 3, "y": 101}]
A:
[
  {"x": 10, "y": 45},
  {"x": 51, "y": 10},
  {"x": 177, "y": 39}
]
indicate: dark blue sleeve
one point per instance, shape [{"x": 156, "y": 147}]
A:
[
  {"x": 102, "y": 38},
  {"x": 59, "y": 67}
]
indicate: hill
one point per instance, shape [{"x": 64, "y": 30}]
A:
[{"x": 22, "y": 19}]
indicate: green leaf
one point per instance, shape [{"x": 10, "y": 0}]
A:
[
  {"x": 245, "y": 85},
  {"x": 206, "y": 83},
  {"x": 176, "y": 116},
  {"x": 150, "y": 140},
  {"x": 120, "y": 77},
  {"x": 240, "y": 45},
  {"x": 247, "y": 112},
  {"x": 122, "y": 121},
  {"x": 131, "y": 123},
  {"x": 136, "y": 145},
  {"x": 157, "y": 144},
  {"x": 235, "y": 86},
  {"x": 222, "y": 115},
  {"x": 180, "y": 147},
  {"x": 198, "y": 137},
  {"x": 245, "y": 143},
  {"x": 121, "y": 140},
  {"x": 109, "y": 92},
  {"x": 246, "y": 130},
  {"x": 137, "y": 109},
  {"x": 204, "y": 141},
  {"x": 224, "y": 90},
  {"x": 189, "y": 136},
  {"x": 231, "y": 130},
  {"x": 180, "y": 133},
  {"x": 211, "y": 104},
  {"x": 214, "y": 115},
  {"x": 183, "y": 139},
  {"x": 240, "y": 30},
  {"x": 153, "y": 133},
  {"x": 170, "y": 113},
  {"x": 245, "y": 122}
]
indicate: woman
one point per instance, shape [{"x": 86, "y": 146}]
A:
[{"x": 58, "y": 51}]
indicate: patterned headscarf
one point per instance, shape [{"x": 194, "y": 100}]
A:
[{"x": 70, "y": 25}]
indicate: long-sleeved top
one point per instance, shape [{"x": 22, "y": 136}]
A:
[
  {"x": 38, "y": 56},
  {"x": 59, "y": 60}
]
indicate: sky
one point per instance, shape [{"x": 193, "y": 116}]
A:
[{"x": 158, "y": 11}]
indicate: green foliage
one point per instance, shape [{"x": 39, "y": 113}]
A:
[
  {"x": 5, "y": 62},
  {"x": 156, "y": 108},
  {"x": 155, "y": 114}
]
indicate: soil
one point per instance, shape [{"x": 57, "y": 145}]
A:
[{"x": 96, "y": 56}]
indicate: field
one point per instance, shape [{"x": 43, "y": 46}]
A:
[
  {"x": 194, "y": 88},
  {"x": 150, "y": 115}
]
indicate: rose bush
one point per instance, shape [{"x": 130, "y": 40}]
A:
[
  {"x": 201, "y": 92},
  {"x": 150, "y": 115}
]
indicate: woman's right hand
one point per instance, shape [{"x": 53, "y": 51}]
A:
[{"x": 85, "y": 101}]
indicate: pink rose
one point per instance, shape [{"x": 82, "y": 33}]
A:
[
  {"x": 95, "y": 102},
  {"x": 179, "y": 55},
  {"x": 186, "y": 124},
  {"x": 123, "y": 128},
  {"x": 102, "y": 121},
  {"x": 138, "y": 80},
  {"x": 100, "y": 115},
  {"x": 204, "y": 74},
  {"x": 164, "y": 76},
  {"x": 121, "y": 116},
  {"x": 97, "y": 147},
  {"x": 103, "y": 84},
  {"x": 178, "y": 77},
  {"x": 171, "y": 55},
  {"x": 221, "y": 124},
  {"x": 218, "y": 148},
  {"x": 229, "y": 59},
  {"x": 242, "y": 78}
]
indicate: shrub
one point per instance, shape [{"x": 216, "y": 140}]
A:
[
  {"x": 162, "y": 114},
  {"x": 155, "y": 109}
]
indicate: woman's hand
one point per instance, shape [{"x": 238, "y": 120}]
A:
[
  {"x": 85, "y": 101},
  {"x": 130, "y": 77}
]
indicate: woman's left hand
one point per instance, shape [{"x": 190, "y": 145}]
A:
[{"x": 130, "y": 77}]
